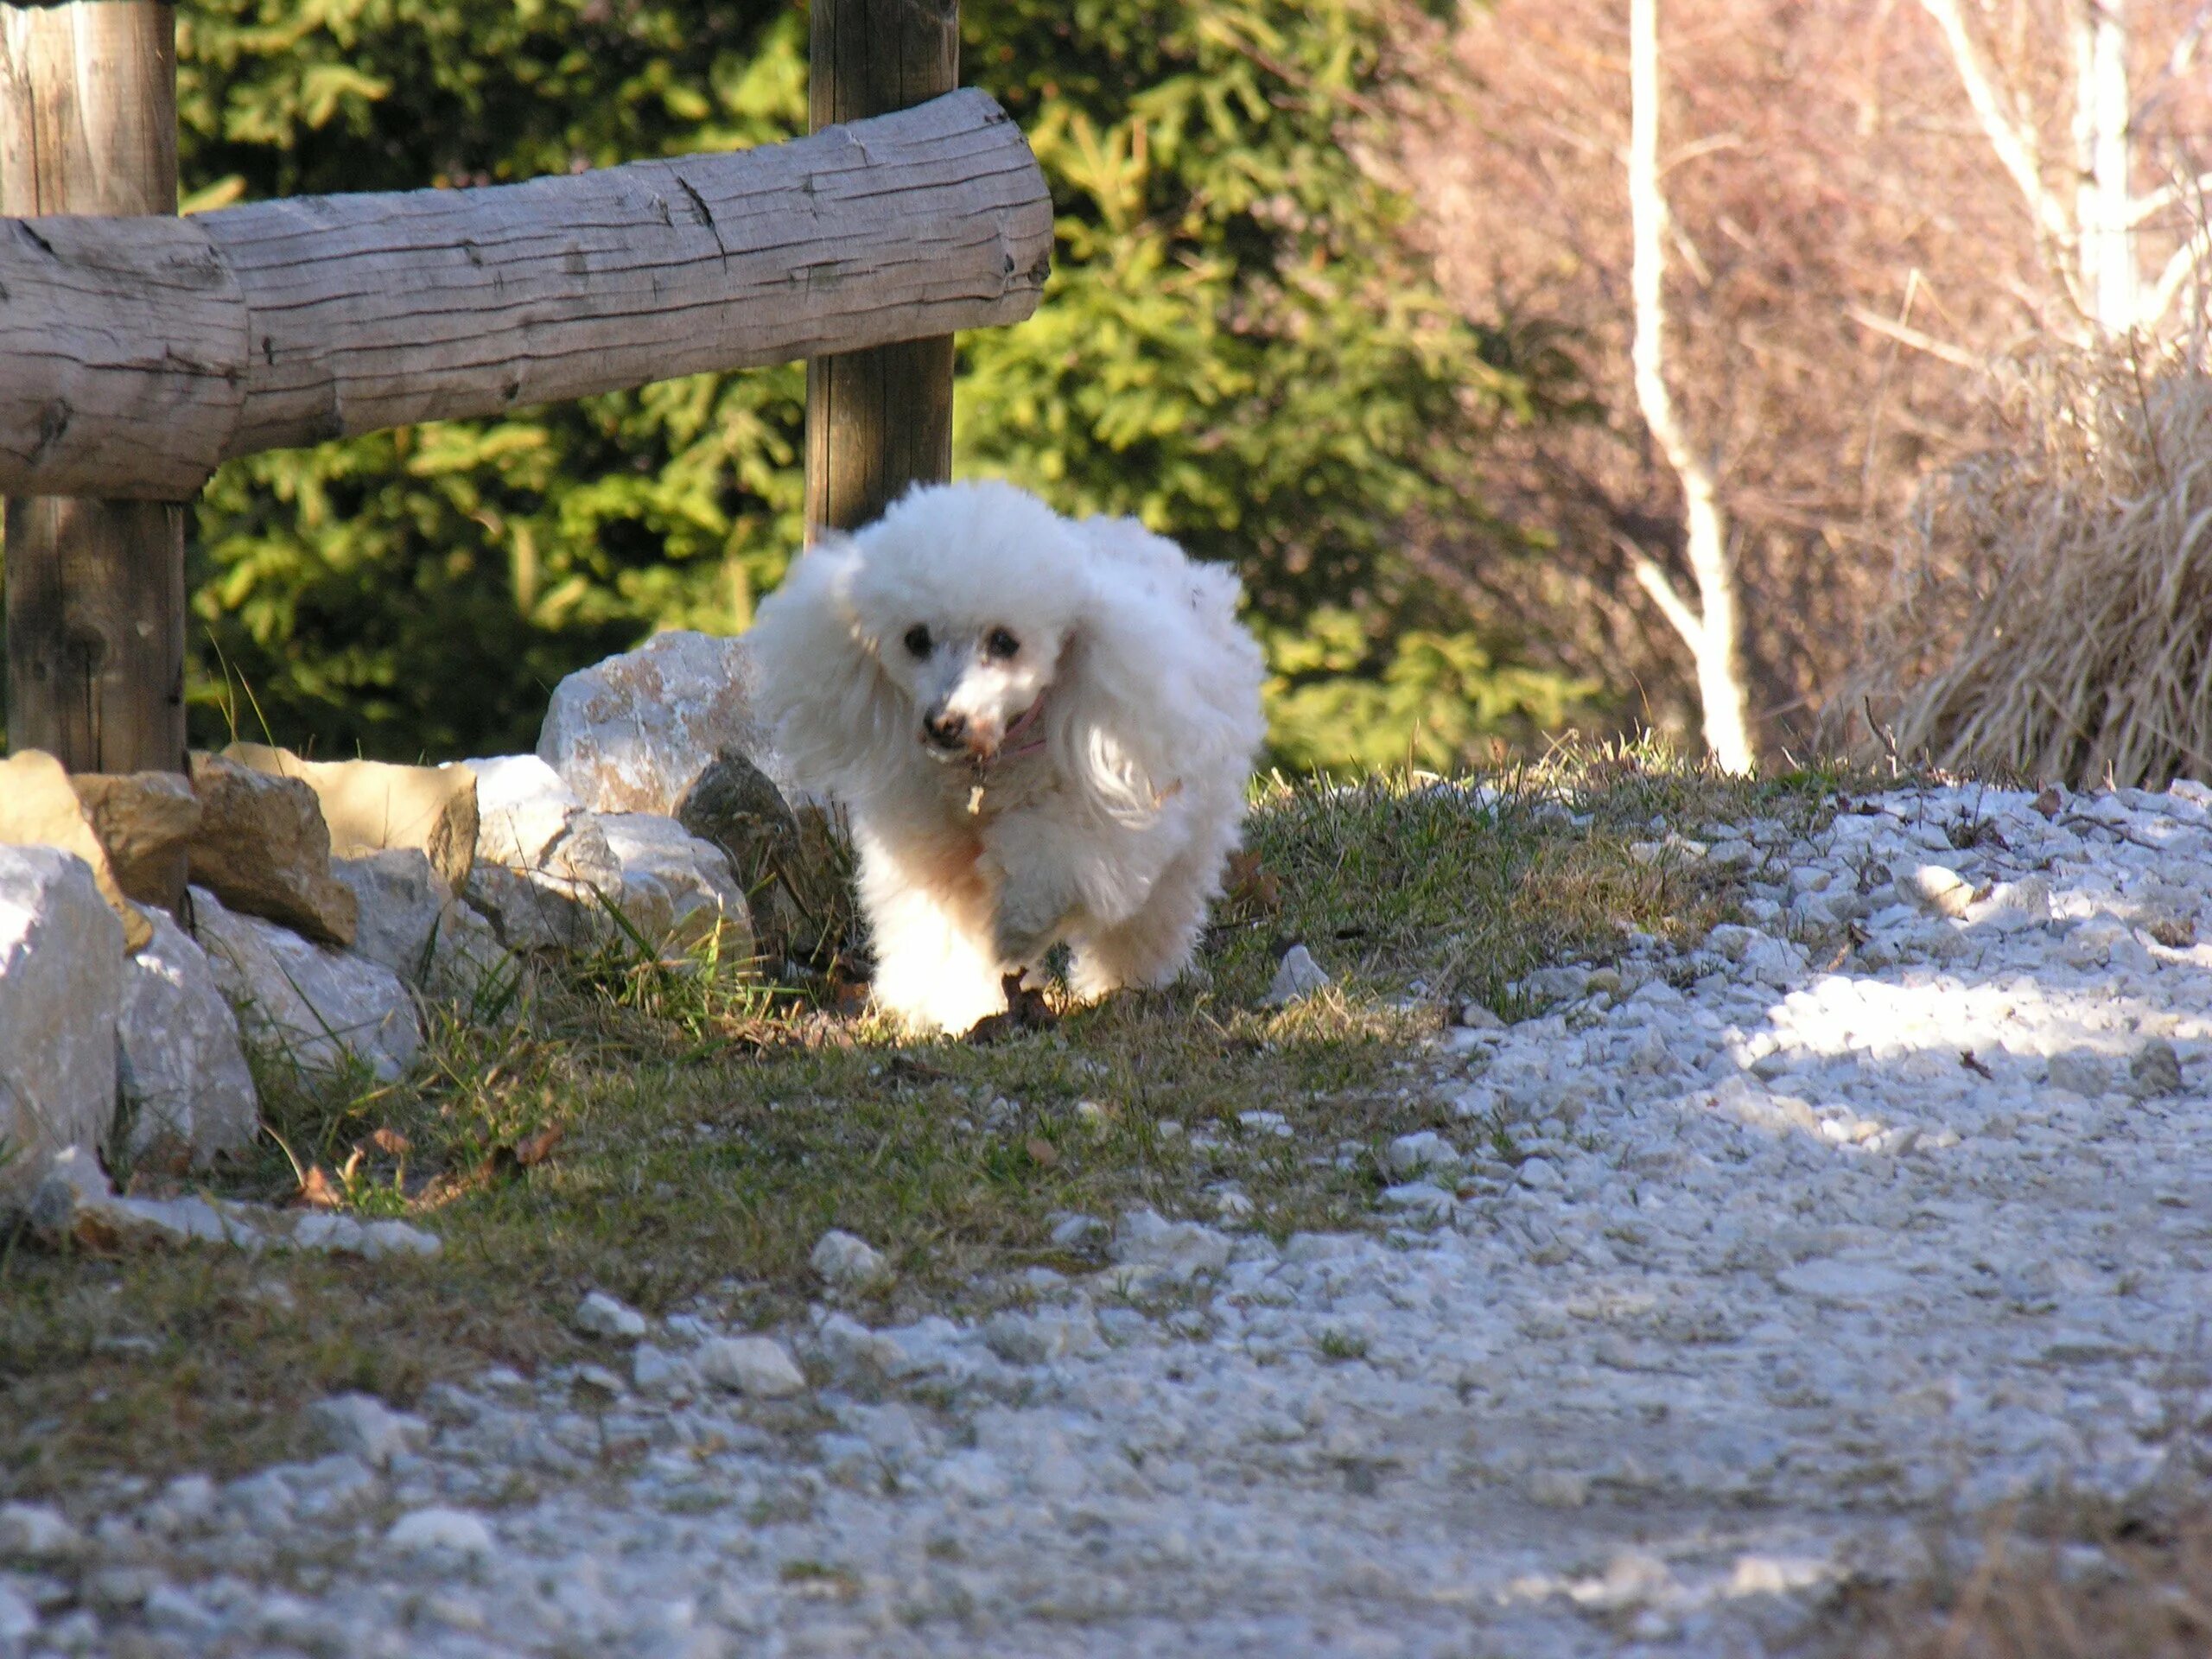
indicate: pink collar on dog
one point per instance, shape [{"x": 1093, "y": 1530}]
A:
[{"x": 1011, "y": 750}]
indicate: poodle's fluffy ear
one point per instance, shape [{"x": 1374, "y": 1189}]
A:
[
  {"x": 1156, "y": 683},
  {"x": 1112, "y": 713},
  {"x": 835, "y": 715}
]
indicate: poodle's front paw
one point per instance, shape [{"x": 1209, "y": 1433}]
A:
[{"x": 944, "y": 1004}]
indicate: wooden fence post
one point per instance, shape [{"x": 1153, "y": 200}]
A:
[
  {"x": 880, "y": 419},
  {"x": 95, "y": 590}
]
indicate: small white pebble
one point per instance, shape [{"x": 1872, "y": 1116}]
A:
[
  {"x": 848, "y": 1262},
  {"x": 601, "y": 1315},
  {"x": 758, "y": 1366},
  {"x": 434, "y": 1531}
]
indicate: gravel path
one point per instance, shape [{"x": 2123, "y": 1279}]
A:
[{"x": 1784, "y": 1263}]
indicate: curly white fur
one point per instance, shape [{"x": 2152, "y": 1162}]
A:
[{"x": 1086, "y": 785}]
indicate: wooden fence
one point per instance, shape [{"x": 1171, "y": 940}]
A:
[{"x": 138, "y": 351}]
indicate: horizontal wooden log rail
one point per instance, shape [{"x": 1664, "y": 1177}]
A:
[{"x": 138, "y": 353}]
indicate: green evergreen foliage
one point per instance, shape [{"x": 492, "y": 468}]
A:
[{"x": 1233, "y": 345}]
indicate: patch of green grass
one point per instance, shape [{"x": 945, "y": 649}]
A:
[
  {"x": 682, "y": 1135},
  {"x": 1342, "y": 1345},
  {"x": 821, "y": 1579}
]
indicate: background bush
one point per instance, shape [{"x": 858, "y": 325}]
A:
[{"x": 1235, "y": 344}]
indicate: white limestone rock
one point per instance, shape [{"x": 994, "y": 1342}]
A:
[
  {"x": 679, "y": 888},
  {"x": 541, "y": 862},
  {"x": 402, "y": 901},
  {"x": 1540, "y": 1175},
  {"x": 370, "y": 806},
  {"x": 530, "y": 911},
  {"x": 1414, "y": 1154},
  {"x": 185, "y": 1085},
  {"x": 855, "y": 1353},
  {"x": 18, "y": 1622},
  {"x": 2080, "y": 1072},
  {"x": 412, "y": 923},
  {"x": 2154, "y": 1070},
  {"x": 601, "y": 1315},
  {"x": 550, "y": 874},
  {"x": 1180, "y": 1249},
  {"x": 344, "y": 1235},
  {"x": 1297, "y": 976},
  {"x": 2014, "y": 907},
  {"x": 440, "y": 1531},
  {"x": 1742, "y": 1099},
  {"x": 656, "y": 1371},
  {"x": 469, "y": 965},
  {"x": 362, "y": 1425},
  {"x": 847, "y": 1262},
  {"x": 1933, "y": 888},
  {"x": 524, "y": 811},
  {"x": 61, "y": 972},
  {"x": 631, "y": 733},
  {"x": 73, "y": 1203},
  {"x": 37, "y": 1534},
  {"x": 1842, "y": 1283},
  {"x": 1072, "y": 1232},
  {"x": 1423, "y": 1200},
  {"x": 1043, "y": 1337},
  {"x": 319, "y": 1007},
  {"x": 757, "y": 1366}
]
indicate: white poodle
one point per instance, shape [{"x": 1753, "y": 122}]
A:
[{"x": 1041, "y": 729}]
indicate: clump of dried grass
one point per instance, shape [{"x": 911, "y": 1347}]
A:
[
  {"x": 2137, "y": 1588},
  {"x": 2055, "y": 619}
]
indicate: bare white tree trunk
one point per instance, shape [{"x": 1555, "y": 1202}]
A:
[
  {"x": 1711, "y": 630},
  {"x": 2104, "y": 204},
  {"x": 2094, "y": 245}
]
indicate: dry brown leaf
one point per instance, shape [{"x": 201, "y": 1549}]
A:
[
  {"x": 534, "y": 1149},
  {"x": 509, "y": 1157},
  {"x": 1026, "y": 1010},
  {"x": 391, "y": 1142},
  {"x": 319, "y": 1192},
  {"x": 1251, "y": 883}
]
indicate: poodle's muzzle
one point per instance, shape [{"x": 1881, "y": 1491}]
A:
[
  {"x": 951, "y": 735},
  {"x": 944, "y": 730}
]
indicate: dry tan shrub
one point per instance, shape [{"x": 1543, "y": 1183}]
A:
[
  {"x": 2053, "y": 620},
  {"x": 2139, "y": 1588}
]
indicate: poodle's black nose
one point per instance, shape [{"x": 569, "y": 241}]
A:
[{"x": 947, "y": 731}]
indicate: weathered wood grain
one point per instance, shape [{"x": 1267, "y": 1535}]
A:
[
  {"x": 326, "y": 316},
  {"x": 96, "y": 633},
  {"x": 95, "y": 588},
  {"x": 880, "y": 419},
  {"x": 123, "y": 342}
]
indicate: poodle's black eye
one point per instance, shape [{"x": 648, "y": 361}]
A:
[
  {"x": 999, "y": 643},
  {"x": 918, "y": 641}
]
